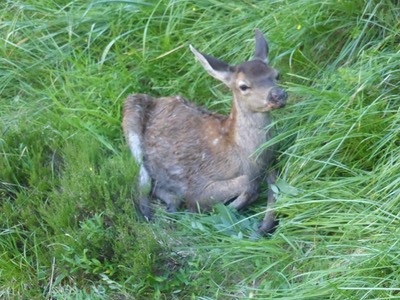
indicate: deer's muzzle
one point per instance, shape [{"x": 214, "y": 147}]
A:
[{"x": 277, "y": 97}]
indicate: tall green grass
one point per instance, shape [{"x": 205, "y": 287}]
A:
[{"x": 69, "y": 227}]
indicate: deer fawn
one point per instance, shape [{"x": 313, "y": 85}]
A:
[{"x": 188, "y": 153}]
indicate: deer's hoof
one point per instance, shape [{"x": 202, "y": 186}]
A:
[{"x": 267, "y": 227}]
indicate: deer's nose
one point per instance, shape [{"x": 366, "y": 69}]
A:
[{"x": 278, "y": 96}]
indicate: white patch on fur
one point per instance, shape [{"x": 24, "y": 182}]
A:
[
  {"x": 144, "y": 178},
  {"x": 215, "y": 141},
  {"x": 176, "y": 170},
  {"x": 136, "y": 147}
]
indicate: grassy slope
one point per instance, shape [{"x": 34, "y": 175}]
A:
[{"x": 68, "y": 228}]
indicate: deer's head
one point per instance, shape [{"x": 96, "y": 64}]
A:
[{"x": 253, "y": 83}]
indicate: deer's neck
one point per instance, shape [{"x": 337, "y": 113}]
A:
[{"x": 248, "y": 128}]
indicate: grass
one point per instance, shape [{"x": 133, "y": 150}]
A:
[{"x": 68, "y": 226}]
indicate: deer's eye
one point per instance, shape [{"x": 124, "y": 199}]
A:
[
  {"x": 278, "y": 77},
  {"x": 243, "y": 87}
]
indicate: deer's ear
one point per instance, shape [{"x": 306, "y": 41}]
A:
[
  {"x": 215, "y": 67},
  {"x": 262, "y": 48}
]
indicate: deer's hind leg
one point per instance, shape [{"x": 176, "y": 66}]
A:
[
  {"x": 172, "y": 201},
  {"x": 134, "y": 114}
]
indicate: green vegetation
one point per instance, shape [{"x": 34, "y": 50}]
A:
[{"x": 68, "y": 226}]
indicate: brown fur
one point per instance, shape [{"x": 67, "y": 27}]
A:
[{"x": 188, "y": 153}]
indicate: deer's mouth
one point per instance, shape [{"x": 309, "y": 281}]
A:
[
  {"x": 277, "y": 105},
  {"x": 271, "y": 105}
]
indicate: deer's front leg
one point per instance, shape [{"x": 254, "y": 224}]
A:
[
  {"x": 269, "y": 222},
  {"x": 248, "y": 195},
  {"x": 222, "y": 191}
]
